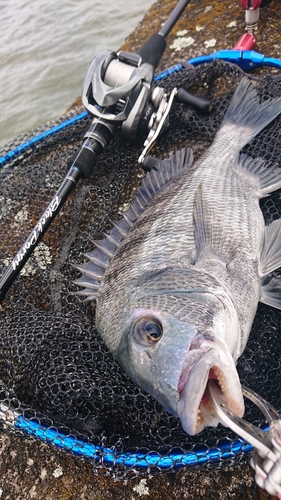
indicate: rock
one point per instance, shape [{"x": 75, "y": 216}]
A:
[
  {"x": 205, "y": 27},
  {"x": 33, "y": 470}
]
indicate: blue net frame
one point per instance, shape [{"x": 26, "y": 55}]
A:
[{"x": 143, "y": 458}]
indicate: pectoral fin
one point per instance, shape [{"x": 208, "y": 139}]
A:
[{"x": 210, "y": 242}]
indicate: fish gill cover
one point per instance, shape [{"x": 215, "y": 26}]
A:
[{"x": 55, "y": 371}]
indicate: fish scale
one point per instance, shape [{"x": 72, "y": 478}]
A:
[
  {"x": 176, "y": 302},
  {"x": 230, "y": 217}
]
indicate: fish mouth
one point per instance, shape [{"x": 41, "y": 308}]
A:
[{"x": 207, "y": 360}]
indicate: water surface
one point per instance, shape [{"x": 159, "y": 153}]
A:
[{"x": 45, "y": 49}]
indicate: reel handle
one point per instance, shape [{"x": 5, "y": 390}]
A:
[{"x": 107, "y": 118}]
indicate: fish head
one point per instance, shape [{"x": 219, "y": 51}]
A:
[
  {"x": 207, "y": 358},
  {"x": 173, "y": 342},
  {"x": 152, "y": 354}
]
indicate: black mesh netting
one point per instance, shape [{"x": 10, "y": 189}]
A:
[{"x": 55, "y": 370}]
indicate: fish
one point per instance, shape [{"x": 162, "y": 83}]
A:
[{"x": 177, "y": 280}]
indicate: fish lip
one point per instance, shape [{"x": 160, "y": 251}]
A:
[{"x": 200, "y": 365}]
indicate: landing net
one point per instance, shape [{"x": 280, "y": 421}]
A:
[{"x": 58, "y": 381}]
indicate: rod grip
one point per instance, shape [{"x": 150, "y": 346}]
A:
[
  {"x": 85, "y": 159},
  {"x": 152, "y": 50}
]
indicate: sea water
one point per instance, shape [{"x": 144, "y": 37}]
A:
[{"x": 46, "y": 47}]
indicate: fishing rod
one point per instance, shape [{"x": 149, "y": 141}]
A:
[
  {"x": 119, "y": 90},
  {"x": 256, "y": 440},
  {"x": 268, "y": 468}
]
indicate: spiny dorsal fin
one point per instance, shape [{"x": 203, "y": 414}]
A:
[
  {"x": 94, "y": 269},
  {"x": 89, "y": 284}
]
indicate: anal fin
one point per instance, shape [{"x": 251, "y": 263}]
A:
[
  {"x": 270, "y": 261},
  {"x": 271, "y": 252},
  {"x": 271, "y": 292},
  {"x": 269, "y": 175}
]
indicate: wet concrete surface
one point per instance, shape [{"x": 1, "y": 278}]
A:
[{"x": 34, "y": 470}]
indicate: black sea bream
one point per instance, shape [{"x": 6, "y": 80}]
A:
[{"x": 177, "y": 280}]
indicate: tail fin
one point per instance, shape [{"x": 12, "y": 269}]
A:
[{"x": 246, "y": 115}]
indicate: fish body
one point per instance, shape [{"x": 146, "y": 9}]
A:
[{"x": 177, "y": 281}]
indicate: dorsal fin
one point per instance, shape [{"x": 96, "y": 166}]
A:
[{"x": 155, "y": 180}]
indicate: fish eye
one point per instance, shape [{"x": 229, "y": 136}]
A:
[{"x": 148, "y": 331}]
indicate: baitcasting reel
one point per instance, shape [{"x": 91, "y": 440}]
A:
[{"x": 119, "y": 89}]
